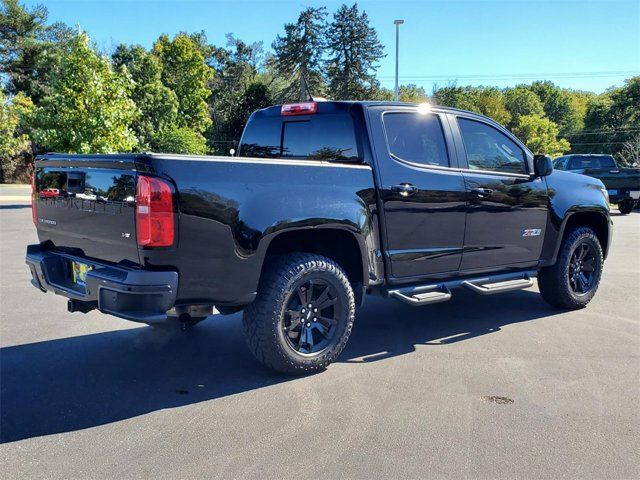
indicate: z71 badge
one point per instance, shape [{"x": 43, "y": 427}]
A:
[{"x": 531, "y": 232}]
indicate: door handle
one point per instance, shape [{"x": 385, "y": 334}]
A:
[
  {"x": 404, "y": 189},
  {"x": 482, "y": 192}
]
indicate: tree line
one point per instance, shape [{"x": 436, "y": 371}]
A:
[{"x": 186, "y": 95}]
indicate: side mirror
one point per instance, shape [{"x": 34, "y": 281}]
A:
[
  {"x": 232, "y": 152},
  {"x": 542, "y": 165}
]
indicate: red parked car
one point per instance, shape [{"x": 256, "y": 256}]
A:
[{"x": 50, "y": 193}]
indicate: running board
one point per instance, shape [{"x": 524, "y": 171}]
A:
[
  {"x": 500, "y": 287},
  {"x": 424, "y": 294}
]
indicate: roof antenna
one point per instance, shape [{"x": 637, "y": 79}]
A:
[{"x": 306, "y": 87}]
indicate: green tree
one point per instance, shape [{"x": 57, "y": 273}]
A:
[
  {"x": 298, "y": 55},
  {"x": 30, "y": 50},
  {"x": 521, "y": 101},
  {"x": 256, "y": 96},
  {"x": 354, "y": 52},
  {"x": 555, "y": 103},
  {"x": 611, "y": 120},
  {"x": 239, "y": 87},
  {"x": 455, "y": 97},
  {"x": 88, "y": 108},
  {"x": 406, "y": 93},
  {"x": 488, "y": 101},
  {"x": 412, "y": 93},
  {"x": 14, "y": 141},
  {"x": 578, "y": 101},
  {"x": 180, "y": 140},
  {"x": 158, "y": 104},
  {"x": 540, "y": 135},
  {"x": 185, "y": 72}
]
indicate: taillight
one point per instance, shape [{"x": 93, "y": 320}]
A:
[
  {"x": 154, "y": 212},
  {"x": 304, "y": 108},
  {"x": 34, "y": 213}
]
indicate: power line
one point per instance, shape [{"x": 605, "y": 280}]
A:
[
  {"x": 516, "y": 76},
  {"x": 603, "y": 132},
  {"x": 598, "y": 143},
  {"x": 609, "y": 130}
]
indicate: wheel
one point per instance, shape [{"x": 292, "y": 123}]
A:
[
  {"x": 626, "y": 206},
  {"x": 302, "y": 316},
  {"x": 573, "y": 280}
]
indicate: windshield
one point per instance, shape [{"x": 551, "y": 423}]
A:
[{"x": 588, "y": 161}]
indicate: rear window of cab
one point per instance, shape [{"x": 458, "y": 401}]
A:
[{"x": 329, "y": 137}]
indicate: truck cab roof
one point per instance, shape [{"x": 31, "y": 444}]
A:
[{"x": 334, "y": 106}]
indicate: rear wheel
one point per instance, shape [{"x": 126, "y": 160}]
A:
[
  {"x": 573, "y": 280},
  {"x": 302, "y": 316},
  {"x": 626, "y": 206}
]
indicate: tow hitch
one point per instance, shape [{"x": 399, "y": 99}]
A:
[{"x": 78, "y": 306}]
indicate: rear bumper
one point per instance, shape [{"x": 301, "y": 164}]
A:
[{"x": 132, "y": 294}]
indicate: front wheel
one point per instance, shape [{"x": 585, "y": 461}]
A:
[
  {"x": 302, "y": 316},
  {"x": 626, "y": 206},
  {"x": 573, "y": 280}
]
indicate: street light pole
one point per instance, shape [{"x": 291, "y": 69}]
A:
[{"x": 397, "y": 24}]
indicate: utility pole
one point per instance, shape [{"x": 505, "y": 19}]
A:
[{"x": 397, "y": 23}]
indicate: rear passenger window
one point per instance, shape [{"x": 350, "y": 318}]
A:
[
  {"x": 261, "y": 138},
  {"x": 323, "y": 137},
  {"x": 489, "y": 149},
  {"x": 416, "y": 138}
]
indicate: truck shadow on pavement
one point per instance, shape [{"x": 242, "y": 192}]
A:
[
  {"x": 75, "y": 383},
  {"x": 13, "y": 206}
]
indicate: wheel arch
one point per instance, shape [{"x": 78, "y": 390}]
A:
[
  {"x": 596, "y": 220},
  {"x": 345, "y": 247}
]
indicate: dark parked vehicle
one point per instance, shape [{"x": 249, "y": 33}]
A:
[
  {"x": 623, "y": 184},
  {"x": 326, "y": 202}
]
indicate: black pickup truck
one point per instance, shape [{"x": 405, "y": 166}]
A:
[
  {"x": 623, "y": 184},
  {"x": 325, "y": 202}
]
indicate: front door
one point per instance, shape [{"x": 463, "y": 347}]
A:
[
  {"x": 422, "y": 191},
  {"x": 507, "y": 207}
]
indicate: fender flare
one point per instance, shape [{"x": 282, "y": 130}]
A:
[{"x": 602, "y": 212}]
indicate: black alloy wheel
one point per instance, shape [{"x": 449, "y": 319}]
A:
[
  {"x": 572, "y": 281},
  {"x": 313, "y": 311},
  {"x": 582, "y": 268},
  {"x": 303, "y": 313}
]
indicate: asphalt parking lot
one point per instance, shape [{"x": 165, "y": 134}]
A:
[{"x": 479, "y": 387}]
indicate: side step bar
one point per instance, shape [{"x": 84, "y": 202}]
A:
[
  {"x": 499, "y": 287},
  {"x": 424, "y": 294}
]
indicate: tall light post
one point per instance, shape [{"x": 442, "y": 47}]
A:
[{"x": 397, "y": 23}]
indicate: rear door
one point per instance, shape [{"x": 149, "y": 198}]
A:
[
  {"x": 90, "y": 211},
  {"x": 507, "y": 208},
  {"x": 422, "y": 192}
]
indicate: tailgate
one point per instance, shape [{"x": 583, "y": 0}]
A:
[
  {"x": 86, "y": 208},
  {"x": 617, "y": 179}
]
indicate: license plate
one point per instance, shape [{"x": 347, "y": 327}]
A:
[
  {"x": 612, "y": 192},
  {"x": 79, "y": 272},
  {"x": 635, "y": 194}
]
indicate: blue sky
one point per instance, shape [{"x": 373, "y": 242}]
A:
[{"x": 588, "y": 45}]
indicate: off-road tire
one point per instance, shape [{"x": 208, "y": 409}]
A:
[
  {"x": 553, "y": 281},
  {"x": 263, "y": 319},
  {"x": 626, "y": 206}
]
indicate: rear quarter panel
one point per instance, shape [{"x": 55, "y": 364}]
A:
[{"x": 230, "y": 209}]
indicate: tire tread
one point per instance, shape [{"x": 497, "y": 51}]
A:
[
  {"x": 261, "y": 318},
  {"x": 554, "y": 288}
]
